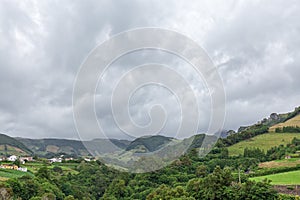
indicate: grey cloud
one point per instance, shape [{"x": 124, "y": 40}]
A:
[{"x": 42, "y": 44}]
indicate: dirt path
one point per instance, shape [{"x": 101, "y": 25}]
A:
[{"x": 288, "y": 189}]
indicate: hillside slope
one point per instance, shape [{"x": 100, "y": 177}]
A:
[
  {"x": 149, "y": 143},
  {"x": 265, "y": 141},
  {"x": 295, "y": 121},
  {"x": 9, "y": 146},
  {"x": 54, "y": 146},
  {"x": 48, "y": 147}
]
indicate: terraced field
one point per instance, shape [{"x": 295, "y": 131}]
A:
[{"x": 293, "y": 162}]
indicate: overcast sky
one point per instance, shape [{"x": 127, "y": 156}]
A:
[{"x": 254, "y": 44}]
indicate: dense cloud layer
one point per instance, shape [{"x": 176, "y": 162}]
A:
[{"x": 255, "y": 45}]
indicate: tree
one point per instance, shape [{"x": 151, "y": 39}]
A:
[
  {"x": 49, "y": 196},
  {"x": 214, "y": 186},
  {"x": 17, "y": 162},
  {"x": 165, "y": 193},
  {"x": 117, "y": 189},
  {"x": 5, "y": 193},
  {"x": 201, "y": 171},
  {"x": 70, "y": 197},
  {"x": 224, "y": 153},
  {"x": 43, "y": 172}
]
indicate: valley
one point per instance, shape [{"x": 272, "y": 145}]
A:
[{"x": 247, "y": 158}]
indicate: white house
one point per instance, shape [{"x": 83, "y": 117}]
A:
[
  {"x": 22, "y": 169},
  {"x": 12, "y": 158},
  {"x": 26, "y": 159},
  {"x": 53, "y": 160}
]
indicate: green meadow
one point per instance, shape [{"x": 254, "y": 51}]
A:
[
  {"x": 286, "y": 178},
  {"x": 265, "y": 141}
]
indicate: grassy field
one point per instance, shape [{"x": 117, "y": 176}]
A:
[
  {"x": 66, "y": 167},
  {"x": 33, "y": 167},
  {"x": 264, "y": 141},
  {"x": 280, "y": 163},
  {"x": 286, "y": 178},
  {"x": 8, "y": 173},
  {"x": 292, "y": 122}
]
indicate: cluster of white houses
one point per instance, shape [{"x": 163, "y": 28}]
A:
[
  {"x": 60, "y": 159},
  {"x": 13, "y": 158},
  {"x": 25, "y": 159}
]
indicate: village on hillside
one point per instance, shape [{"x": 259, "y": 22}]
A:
[{"x": 13, "y": 162}]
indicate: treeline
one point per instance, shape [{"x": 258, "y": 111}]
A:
[
  {"x": 244, "y": 135},
  {"x": 217, "y": 185},
  {"x": 268, "y": 171},
  {"x": 275, "y": 153},
  {"x": 293, "y": 114},
  {"x": 288, "y": 129},
  {"x": 255, "y": 153}
]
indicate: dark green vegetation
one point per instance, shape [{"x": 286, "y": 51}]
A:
[
  {"x": 244, "y": 135},
  {"x": 288, "y": 129},
  {"x": 186, "y": 178}
]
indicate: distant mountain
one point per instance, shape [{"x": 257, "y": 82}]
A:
[
  {"x": 10, "y": 146},
  {"x": 199, "y": 139},
  {"x": 149, "y": 143},
  {"x": 54, "y": 146},
  {"x": 50, "y": 147}
]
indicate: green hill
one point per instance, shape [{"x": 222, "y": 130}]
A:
[
  {"x": 10, "y": 146},
  {"x": 149, "y": 143},
  {"x": 264, "y": 141},
  {"x": 261, "y": 135}
]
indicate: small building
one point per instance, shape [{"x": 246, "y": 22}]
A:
[
  {"x": 12, "y": 158},
  {"x": 53, "y": 160},
  {"x": 23, "y": 169},
  {"x": 26, "y": 159},
  {"x": 69, "y": 159}
]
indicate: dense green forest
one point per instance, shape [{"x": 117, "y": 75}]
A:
[{"x": 184, "y": 179}]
